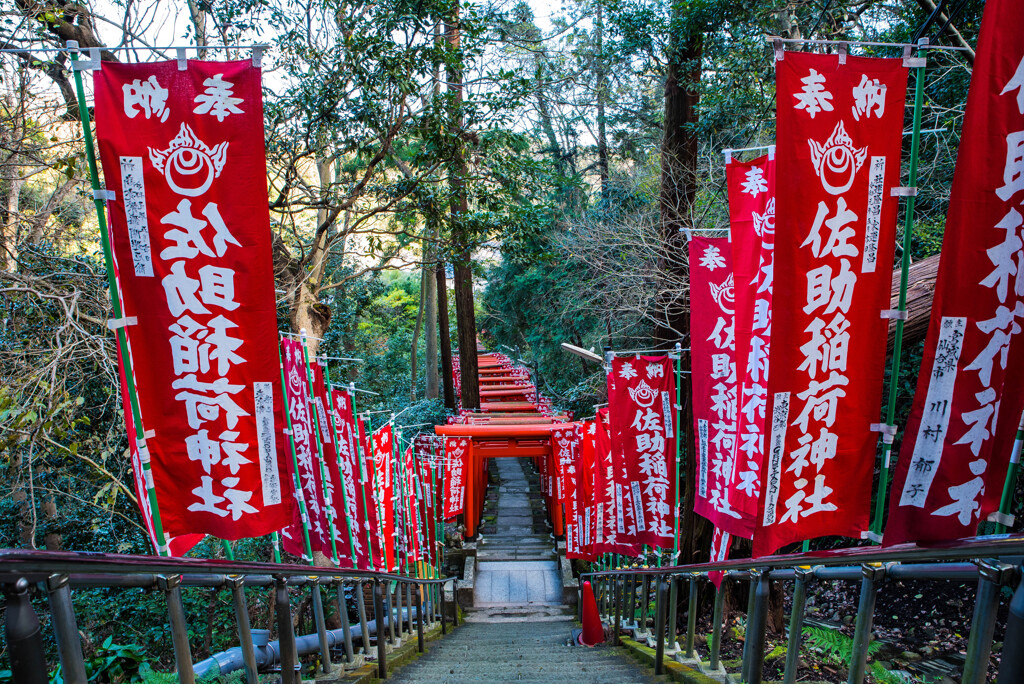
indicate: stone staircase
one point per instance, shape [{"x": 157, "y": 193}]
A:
[
  {"x": 518, "y": 628},
  {"x": 517, "y": 652}
]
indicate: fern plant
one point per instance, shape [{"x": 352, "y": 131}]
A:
[{"x": 837, "y": 649}]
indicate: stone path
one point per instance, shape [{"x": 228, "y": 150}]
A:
[
  {"x": 514, "y": 652},
  {"x": 516, "y": 564},
  {"x": 518, "y": 629}
]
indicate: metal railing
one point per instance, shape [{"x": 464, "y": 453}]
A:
[
  {"x": 57, "y": 573},
  {"x": 624, "y": 597}
]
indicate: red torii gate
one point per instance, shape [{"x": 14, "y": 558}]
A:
[{"x": 509, "y": 425}]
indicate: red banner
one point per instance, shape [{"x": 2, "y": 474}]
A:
[
  {"x": 713, "y": 364},
  {"x": 184, "y": 163},
  {"x": 382, "y": 444},
  {"x": 610, "y": 525},
  {"x": 429, "y": 452},
  {"x": 372, "y": 498},
  {"x": 641, "y": 396},
  {"x": 456, "y": 452},
  {"x": 960, "y": 435},
  {"x": 720, "y": 542},
  {"x": 176, "y": 546},
  {"x": 344, "y": 424},
  {"x": 839, "y": 127},
  {"x": 587, "y": 509},
  {"x": 566, "y": 444},
  {"x": 333, "y": 491},
  {"x": 303, "y": 446},
  {"x": 752, "y": 227}
]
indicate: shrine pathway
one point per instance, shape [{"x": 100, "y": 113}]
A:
[{"x": 518, "y": 629}]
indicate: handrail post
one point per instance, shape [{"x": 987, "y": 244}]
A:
[
  {"x": 389, "y": 613},
  {"x": 757, "y": 622},
  {"x": 716, "y": 627},
  {"x": 1011, "y": 660},
  {"x": 455, "y": 601},
  {"x": 691, "y": 615},
  {"x": 359, "y": 589},
  {"x": 346, "y": 628},
  {"x": 237, "y": 584},
  {"x": 408, "y": 607},
  {"x": 65, "y": 628},
  {"x": 171, "y": 586},
  {"x": 752, "y": 578},
  {"x": 321, "y": 624},
  {"x": 673, "y": 614},
  {"x": 419, "y": 620},
  {"x": 630, "y": 602},
  {"x": 618, "y": 610},
  {"x": 873, "y": 574},
  {"x": 992, "y": 575},
  {"x": 398, "y": 610},
  {"x": 660, "y": 606},
  {"x": 796, "y": 623},
  {"x": 645, "y": 590},
  {"x": 24, "y": 637},
  {"x": 285, "y": 631},
  {"x": 444, "y": 608},
  {"x": 378, "y": 614}
]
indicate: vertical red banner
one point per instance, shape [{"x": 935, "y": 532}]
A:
[
  {"x": 587, "y": 521},
  {"x": 641, "y": 396},
  {"x": 426, "y": 457},
  {"x": 372, "y": 509},
  {"x": 382, "y": 444},
  {"x": 456, "y": 451},
  {"x": 333, "y": 492},
  {"x": 839, "y": 128},
  {"x": 185, "y": 173},
  {"x": 303, "y": 440},
  {"x": 713, "y": 364},
  {"x": 566, "y": 444},
  {"x": 751, "y": 188},
  {"x": 348, "y": 466},
  {"x": 610, "y": 536},
  {"x": 960, "y": 435}
]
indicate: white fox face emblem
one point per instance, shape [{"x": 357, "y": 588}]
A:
[{"x": 725, "y": 294}]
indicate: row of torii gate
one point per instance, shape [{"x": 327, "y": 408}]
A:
[{"x": 514, "y": 420}]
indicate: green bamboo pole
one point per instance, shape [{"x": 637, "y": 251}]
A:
[
  {"x": 275, "y": 543},
  {"x": 1006, "y": 501},
  {"x": 337, "y": 458},
  {"x": 908, "y": 230},
  {"x": 360, "y": 458},
  {"x": 115, "y": 301},
  {"x": 311, "y": 404},
  {"x": 229, "y": 552},
  {"x": 303, "y": 515}
]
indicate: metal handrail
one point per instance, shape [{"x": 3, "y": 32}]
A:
[
  {"x": 624, "y": 594},
  {"x": 1000, "y": 546},
  {"x": 58, "y": 572}
]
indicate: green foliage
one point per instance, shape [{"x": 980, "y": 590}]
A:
[
  {"x": 837, "y": 649},
  {"x": 111, "y": 663}
]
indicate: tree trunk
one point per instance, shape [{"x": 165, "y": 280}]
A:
[
  {"x": 444, "y": 335},
  {"x": 430, "y": 328},
  {"x": 465, "y": 316},
  {"x": 11, "y": 174},
  {"x": 602, "y": 96},
  {"x": 678, "y": 190},
  {"x": 678, "y": 185},
  {"x": 413, "y": 356}
]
